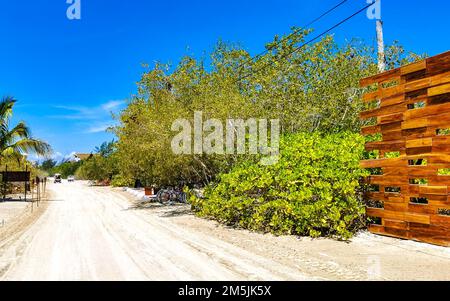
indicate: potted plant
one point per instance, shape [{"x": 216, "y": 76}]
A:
[{"x": 149, "y": 191}]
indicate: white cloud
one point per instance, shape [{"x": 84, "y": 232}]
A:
[
  {"x": 112, "y": 105},
  {"x": 57, "y": 155},
  {"x": 99, "y": 117},
  {"x": 98, "y": 129}
]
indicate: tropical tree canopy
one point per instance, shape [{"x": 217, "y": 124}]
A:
[{"x": 16, "y": 142}]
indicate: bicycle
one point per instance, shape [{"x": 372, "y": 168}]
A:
[{"x": 171, "y": 196}]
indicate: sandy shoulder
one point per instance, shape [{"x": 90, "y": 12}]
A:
[
  {"x": 15, "y": 219},
  {"x": 366, "y": 257}
]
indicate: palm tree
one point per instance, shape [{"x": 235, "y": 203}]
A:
[{"x": 16, "y": 142}]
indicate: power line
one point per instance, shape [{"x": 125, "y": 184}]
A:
[
  {"x": 307, "y": 43},
  {"x": 296, "y": 31}
]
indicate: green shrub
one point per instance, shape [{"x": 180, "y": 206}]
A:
[
  {"x": 311, "y": 191},
  {"x": 121, "y": 181}
]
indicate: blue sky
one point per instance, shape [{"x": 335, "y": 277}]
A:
[{"x": 69, "y": 75}]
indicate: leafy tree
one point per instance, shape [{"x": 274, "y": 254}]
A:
[
  {"x": 66, "y": 168},
  {"x": 315, "y": 88},
  {"x": 106, "y": 149},
  {"x": 102, "y": 166},
  {"x": 48, "y": 164}
]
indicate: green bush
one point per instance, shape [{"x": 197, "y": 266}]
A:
[
  {"x": 66, "y": 169},
  {"x": 311, "y": 191},
  {"x": 121, "y": 181}
]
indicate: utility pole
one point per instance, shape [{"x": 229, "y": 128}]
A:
[
  {"x": 374, "y": 13},
  {"x": 380, "y": 42}
]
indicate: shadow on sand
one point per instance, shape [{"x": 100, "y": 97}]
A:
[{"x": 166, "y": 211}]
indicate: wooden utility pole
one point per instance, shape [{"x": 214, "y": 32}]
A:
[{"x": 380, "y": 40}]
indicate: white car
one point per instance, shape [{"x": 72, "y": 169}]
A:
[{"x": 71, "y": 179}]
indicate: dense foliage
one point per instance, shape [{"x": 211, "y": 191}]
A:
[
  {"x": 102, "y": 166},
  {"x": 16, "y": 143},
  {"x": 313, "y": 89},
  {"x": 66, "y": 168},
  {"x": 312, "y": 190}
]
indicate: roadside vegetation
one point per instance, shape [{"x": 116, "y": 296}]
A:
[
  {"x": 313, "y": 91},
  {"x": 311, "y": 191},
  {"x": 17, "y": 142},
  {"x": 100, "y": 167}
]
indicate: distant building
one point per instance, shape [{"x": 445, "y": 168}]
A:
[{"x": 83, "y": 157}]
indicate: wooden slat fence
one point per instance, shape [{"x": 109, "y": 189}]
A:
[{"x": 410, "y": 112}]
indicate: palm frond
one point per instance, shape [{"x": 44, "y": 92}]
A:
[
  {"x": 20, "y": 131},
  {"x": 6, "y": 106},
  {"x": 17, "y": 142},
  {"x": 27, "y": 145}
]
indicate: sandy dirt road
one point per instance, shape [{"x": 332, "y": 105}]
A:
[{"x": 100, "y": 234}]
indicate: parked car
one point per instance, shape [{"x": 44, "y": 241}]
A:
[
  {"x": 71, "y": 179},
  {"x": 58, "y": 179}
]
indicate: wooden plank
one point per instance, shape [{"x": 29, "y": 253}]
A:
[
  {"x": 439, "y": 180},
  {"x": 391, "y": 127},
  {"x": 428, "y": 82},
  {"x": 415, "y": 123},
  {"x": 386, "y": 146},
  {"x": 439, "y": 90},
  {"x": 393, "y": 181},
  {"x": 398, "y": 207},
  {"x": 371, "y": 96},
  {"x": 389, "y": 101},
  {"x": 396, "y": 233},
  {"x": 417, "y": 218},
  {"x": 440, "y": 204},
  {"x": 440, "y": 79},
  {"x": 380, "y": 77},
  {"x": 385, "y": 110},
  {"x": 395, "y": 199},
  {"x": 392, "y": 91},
  {"x": 376, "y": 229},
  {"x": 442, "y": 221},
  {"x": 420, "y": 209},
  {"x": 405, "y": 216},
  {"x": 434, "y": 190},
  {"x": 439, "y": 159},
  {"x": 421, "y": 172},
  {"x": 438, "y": 64},
  {"x": 393, "y": 136},
  {"x": 442, "y": 120},
  {"x": 370, "y": 130},
  {"x": 393, "y": 118},
  {"x": 397, "y": 162},
  {"x": 396, "y": 224},
  {"x": 419, "y": 143},
  {"x": 429, "y": 111},
  {"x": 414, "y": 67}
]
